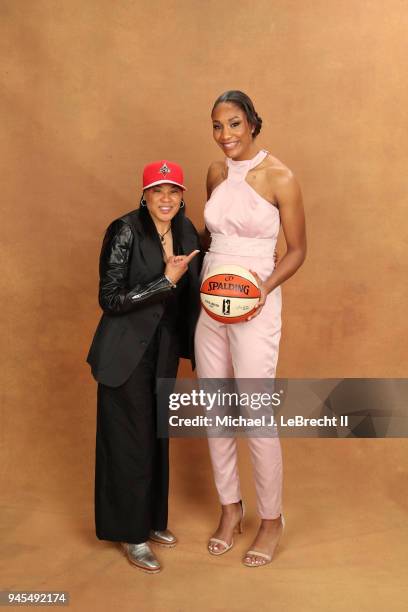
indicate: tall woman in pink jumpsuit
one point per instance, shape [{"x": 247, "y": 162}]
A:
[{"x": 251, "y": 193}]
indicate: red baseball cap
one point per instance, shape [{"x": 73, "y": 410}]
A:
[{"x": 163, "y": 171}]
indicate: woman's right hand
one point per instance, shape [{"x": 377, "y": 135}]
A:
[{"x": 177, "y": 265}]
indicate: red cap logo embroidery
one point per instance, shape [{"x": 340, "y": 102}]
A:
[{"x": 164, "y": 169}]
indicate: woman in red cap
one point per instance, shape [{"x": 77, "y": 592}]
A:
[
  {"x": 250, "y": 195},
  {"x": 147, "y": 271}
]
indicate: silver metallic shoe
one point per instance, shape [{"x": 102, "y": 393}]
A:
[
  {"x": 164, "y": 538},
  {"x": 142, "y": 556}
]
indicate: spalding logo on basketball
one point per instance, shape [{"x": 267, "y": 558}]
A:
[{"x": 229, "y": 294}]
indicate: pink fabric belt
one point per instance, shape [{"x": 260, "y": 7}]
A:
[{"x": 245, "y": 247}]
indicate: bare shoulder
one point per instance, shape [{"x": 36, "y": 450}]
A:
[
  {"x": 281, "y": 177},
  {"x": 216, "y": 169},
  {"x": 215, "y": 175},
  {"x": 276, "y": 169}
]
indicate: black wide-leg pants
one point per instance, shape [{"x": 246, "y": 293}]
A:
[{"x": 132, "y": 464}]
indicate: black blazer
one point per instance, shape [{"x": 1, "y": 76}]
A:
[{"x": 131, "y": 268}]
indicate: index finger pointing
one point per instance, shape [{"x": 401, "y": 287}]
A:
[{"x": 190, "y": 256}]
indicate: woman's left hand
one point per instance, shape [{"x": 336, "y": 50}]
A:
[
  {"x": 177, "y": 265},
  {"x": 262, "y": 299}
]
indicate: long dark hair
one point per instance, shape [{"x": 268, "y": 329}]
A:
[
  {"x": 176, "y": 227},
  {"x": 244, "y": 102}
]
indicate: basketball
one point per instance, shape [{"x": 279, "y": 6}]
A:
[{"x": 229, "y": 293}]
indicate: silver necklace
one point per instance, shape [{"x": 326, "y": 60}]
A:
[{"x": 162, "y": 236}]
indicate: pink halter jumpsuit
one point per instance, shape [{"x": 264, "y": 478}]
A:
[{"x": 244, "y": 228}]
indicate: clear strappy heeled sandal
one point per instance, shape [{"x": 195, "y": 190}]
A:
[
  {"x": 262, "y": 555},
  {"x": 226, "y": 547}
]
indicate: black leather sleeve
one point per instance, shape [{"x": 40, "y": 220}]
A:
[{"x": 115, "y": 296}]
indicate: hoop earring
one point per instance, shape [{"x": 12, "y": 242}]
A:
[
  {"x": 182, "y": 204},
  {"x": 143, "y": 202}
]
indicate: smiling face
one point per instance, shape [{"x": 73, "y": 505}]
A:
[
  {"x": 163, "y": 202},
  {"x": 232, "y": 131}
]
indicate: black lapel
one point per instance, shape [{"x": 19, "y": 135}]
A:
[
  {"x": 150, "y": 249},
  {"x": 187, "y": 242},
  {"x": 152, "y": 255}
]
